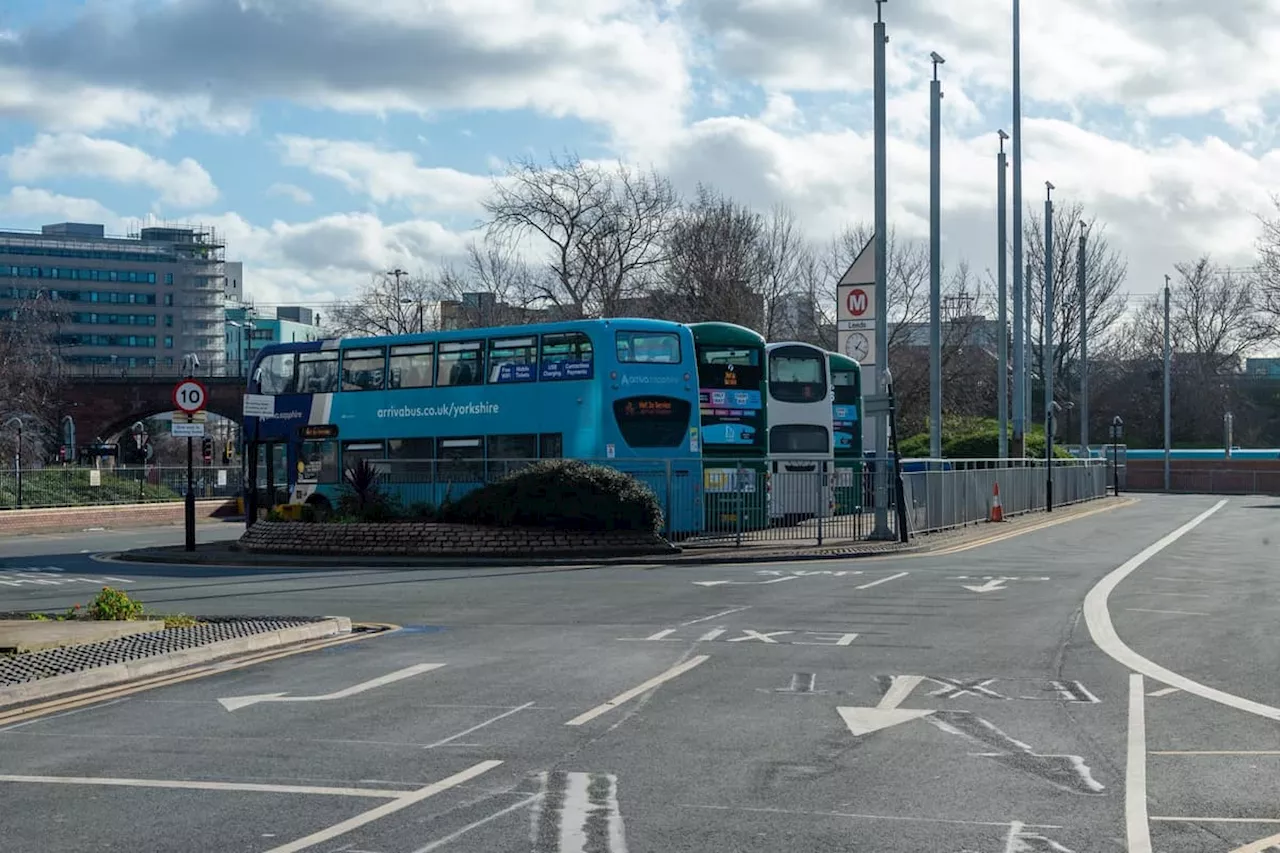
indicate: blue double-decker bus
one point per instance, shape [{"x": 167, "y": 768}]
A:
[{"x": 444, "y": 412}]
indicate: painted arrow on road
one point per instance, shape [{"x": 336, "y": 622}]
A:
[
  {"x": 864, "y": 721},
  {"x": 744, "y": 583},
  {"x": 990, "y": 586},
  {"x": 235, "y": 703}
]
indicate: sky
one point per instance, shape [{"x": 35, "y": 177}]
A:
[{"x": 328, "y": 140}]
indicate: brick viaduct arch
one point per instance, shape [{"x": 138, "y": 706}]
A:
[{"x": 103, "y": 407}]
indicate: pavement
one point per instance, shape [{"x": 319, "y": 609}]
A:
[{"x": 1104, "y": 684}]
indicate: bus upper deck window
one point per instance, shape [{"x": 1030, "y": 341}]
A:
[
  {"x": 412, "y": 366},
  {"x": 277, "y": 374},
  {"x": 566, "y": 355},
  {"x": 363, "y": 369},
  {"x": 459, "y": 363},
  {"x": 318, "y": 372},
  {"x": 513, "y": 359},
  {"x": 648, "y": 347}
]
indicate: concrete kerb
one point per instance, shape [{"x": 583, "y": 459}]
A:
[{"x": 76, "y": 682}]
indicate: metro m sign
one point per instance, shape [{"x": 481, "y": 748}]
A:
[{"x": 857, "y": 302}]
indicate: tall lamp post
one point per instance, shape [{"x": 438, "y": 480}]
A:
[
  {"x": 935, "y": 260},
  {"x": 1047, "y": 356},
  {"x": 1002, "y": 278},
  {"x": 17, "y": 456}
]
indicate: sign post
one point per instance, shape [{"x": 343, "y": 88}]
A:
[{"x": 190, "y": 397}]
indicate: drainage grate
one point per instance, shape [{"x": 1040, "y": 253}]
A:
[{"x": 20, "y": 669}]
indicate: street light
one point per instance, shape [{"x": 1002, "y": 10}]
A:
[{"x": 17, "y": 456}]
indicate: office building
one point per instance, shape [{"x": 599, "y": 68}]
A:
[{"x": 135, "y": 303}]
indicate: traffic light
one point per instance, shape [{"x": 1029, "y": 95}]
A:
[
  {"x": 229, "y": 453},
  {"x": 206, "y": 449}
]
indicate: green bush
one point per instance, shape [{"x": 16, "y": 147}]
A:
[
  {"x": 974, "y": 438},
  {"x": 562, "y": 494},
  {"x": 114, "y": 605}
]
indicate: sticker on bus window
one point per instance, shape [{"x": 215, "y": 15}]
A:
[
  {"x": 845, "y": 413},
  {"x": 515, "y": 373},
  {"x": 693, "y": 439},
  {"x": 610, "y": 451},
  {"x": 553, "y": 370}
]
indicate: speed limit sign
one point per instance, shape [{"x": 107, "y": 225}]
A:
[{"x": 190, "y": 395}]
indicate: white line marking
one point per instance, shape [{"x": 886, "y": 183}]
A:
[
  {"x": 673, "y": 672},
  {"x": 207, "y": 786},
  {"x": 65, "y": 714},
  {"x": 1164, "y": 691},
  {"x": 1011, "y": 843},
  {"x": 1166, "y": 612},
  {"x": 479, "y": 726},
  {"x": 1104, "y": 633},
  {"x": 1137, "y": 827},
  {"x": 436, "y": 845},
  {"x": 234, "y": 703},
  {"x": 711, "y": 635},
  {"x": 715, "y": 616},
  {"x": 661, "y": 634},
  {"x": 401, "y": 802},
  {"x": 899, "y": 691},
  {"x": 883, "y": 580},
  {"x": 806, "y": 812}
]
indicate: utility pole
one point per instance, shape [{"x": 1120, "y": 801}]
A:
[
  {"x": 935, "y": 260},
  {"x": 1081, "y": 279},
  {"x": 1021, "y": 330},
  {"x": 396, "y": 273},
  {"x": 1168, "y": 357},
  {"x": 1003, "y": 293},
  {"x": 879, "y": 39},
  {"x": 1046, "y": 354}
]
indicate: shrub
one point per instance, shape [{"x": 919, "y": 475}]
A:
[
  {"x": 363, "y": 498},
  {"x": 562, "y": 494},
  {"x": 114, "y": 605}
]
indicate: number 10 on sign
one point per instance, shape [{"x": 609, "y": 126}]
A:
[{"x": 190, "y": 395}]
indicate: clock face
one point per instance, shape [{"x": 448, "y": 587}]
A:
[{"x": 857, "y": 346}]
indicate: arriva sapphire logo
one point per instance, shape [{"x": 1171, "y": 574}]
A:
[{"x": 649, "y": 380}]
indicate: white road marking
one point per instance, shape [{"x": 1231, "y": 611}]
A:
[
  {"x": 191, "y": 785},
  {"x": 626, "y": 696},
  {"x": 714, "y": 616},
  {"x": 65, "y": 714},
  {"x": 857, "y": 816},
  {"x": 236, "y": 702},
  {"x": 883, "y": 580},
  {"x": 864, "y": 721},
  {"x": 453, "y": 836},
  {"x": 578, "y": 810},
  {"x": 762, "y": 636},
  {"x": 989, "y": 586},
  {"x": 1137, "y": 827},
  {"x": 745, "y": 583},
  {"x": 1098, "y": 618},
  {"x": 1020, "y": 841},
  {"x": 661, "y": 634},
  {"x": 402, "y": 801},
  {"x": 479, "y": 726},
  {"x": 711, "y": 635},
  {"x": 1166, "y": 612},
  {"x": 1164, "y": 691}
]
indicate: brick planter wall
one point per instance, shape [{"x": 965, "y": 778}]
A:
[
  {"x": 421, "y": 539},
  {"x": 15, "y": 522}
]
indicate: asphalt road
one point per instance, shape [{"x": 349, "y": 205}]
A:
[{"x": 951, "y": 703}]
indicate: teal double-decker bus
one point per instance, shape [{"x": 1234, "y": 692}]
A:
[
  {"x": 846, "y": 410},
  {"x": 731, "y": 397},
  {"x": 442, "y": 413}
]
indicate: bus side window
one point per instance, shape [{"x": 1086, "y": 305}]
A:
[
  {"x": 551, "y": 445},
  {"x": 508, "y": 453},
  {"x": 412, "y": 366},
  {"x": 319, "y": 462},
  {"x": 461, "y": 460},
  {"x": 354, "y": 451},
  {"x": 459, "y": 363},
  {"x": 568, "y": 355},
  {"x": 412, "y": 459},
  {"x": 363, "y": 369},
  {"x": 318, "y": 372},
  {"x": 513, "y": 360}
]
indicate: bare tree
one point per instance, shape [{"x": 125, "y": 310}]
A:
[
  {"x": 788, "y": 291},
  {"x": 603, "y": 229},
  {"x": 1105, "y": 273},
  {"x": 715, "y": 259},
  {"x": 31, "y": 381},
  {"x": 1269, "y": 267},
  {"x": 389, "y": 304},
  {"x": 494, "y": 286}
]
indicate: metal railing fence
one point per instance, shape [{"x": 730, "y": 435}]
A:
[{"x": 66, "y": 486}]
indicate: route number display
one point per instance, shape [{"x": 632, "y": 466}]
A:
[{"x": 190, "y": 396}]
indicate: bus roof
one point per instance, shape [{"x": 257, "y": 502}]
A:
[
  {"x": 842, "y": 362},
  {"x": 640, "y": 324},
  {"x": 725, "y": 334}
]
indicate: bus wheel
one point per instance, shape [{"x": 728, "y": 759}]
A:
[{"x": 320, "y": 508}]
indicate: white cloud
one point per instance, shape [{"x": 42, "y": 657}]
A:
[
  {"x": 620, "y": 62},
  {"x": 294, "y": 193},
  {"x": 387, "y": 175},
  {"x": 182, "y": 184},
  {"x": 33, "y": 207}
]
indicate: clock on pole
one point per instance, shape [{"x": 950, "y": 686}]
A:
[{"x": 857, "y": 346}]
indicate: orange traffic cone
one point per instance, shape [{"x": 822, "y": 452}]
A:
[{"x": 997, "y": 512}]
